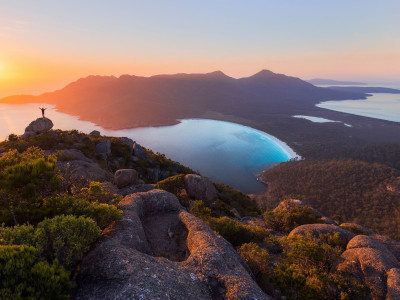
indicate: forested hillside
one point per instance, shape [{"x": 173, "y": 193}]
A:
[{"x": 357, "y": 191}]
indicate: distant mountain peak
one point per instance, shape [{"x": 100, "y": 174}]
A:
[{"x": 264, "y": 72}]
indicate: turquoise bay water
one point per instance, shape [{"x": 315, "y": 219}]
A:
[{"x": 226, "y": 152}]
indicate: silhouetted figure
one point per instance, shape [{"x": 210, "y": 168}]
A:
[{"x": 42, "y": 109}]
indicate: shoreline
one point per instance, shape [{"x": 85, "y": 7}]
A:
[{"x": 285, "y": 147}]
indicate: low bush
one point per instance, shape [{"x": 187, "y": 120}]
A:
[
  {"x": 256, "y": 258},
  {"x": 173, "y": 184},
  {"x": 287, "y": 219},
  {"x": 68, "y": 238},
  {"x": 202, "y": 211},
  {"x": 24, "y": 276},
  {"x": 237, "y": 233},
  {"x": 234, "y": 198}
]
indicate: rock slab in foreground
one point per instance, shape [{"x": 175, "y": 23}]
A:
[
  {"x": 160, "y": 251},
  {"x": 38, "y": 126}
]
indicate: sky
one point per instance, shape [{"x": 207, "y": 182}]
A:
[{"x": 44, "y": 45}]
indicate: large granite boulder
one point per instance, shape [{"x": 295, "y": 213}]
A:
[
  {"x": 38, "y": 126},
  {"x": 78, "y": 169},
  {"x": 318, "y": 229},
  {"x": 103, "y": 148},
  {"x": 364, "y": 241},
  {"x": 374, "y": 264},
  {"x": 289, "y": 204},
  {"x": 370, "y": 266},
  {"x": 160, "y": 251},
  {"x": 125, "y": 177},
  {"x": 393, "y": 284},
  {"x": 95, "y": 133},
  {"x": 200, "y": 188}
]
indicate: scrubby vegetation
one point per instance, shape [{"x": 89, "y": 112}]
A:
[
  {"x": 286, "y": 220},
  {"x": 352, "y": 189},
  {"x": 47, "y": 227},
  {"x": 46, "y": 230},
  {"x": 25, "y": 276},
  {"x": 295, "y": 267}
]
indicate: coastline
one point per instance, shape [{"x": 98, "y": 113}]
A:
[{"x": 285, "y": 147}]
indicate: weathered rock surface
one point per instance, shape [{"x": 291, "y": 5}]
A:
[
  {"x": 72, "y": 154},
  {"x": 361, "y": 241},
  {"x": 289, "y": 204},
  {"x": 390, "y": 244},
  {"x": 370, "y": 266},
  {"x": 95, "y": 133},
  {"x": 38, "y": 126},
  {"x": 103, "y": 148},
  {"x": 76, "y": 166},
  {"x": 125, "y": 177},
  {"x": 130, "y": 143},
  {"x": 159, "y": 251},
  {"x": 200, "y": 188},
  {"x": 137, "y": 188},
  {"x": 344, "y": 235},
  {"x": 393, "y": 284},
  {"x": 138, "y": 151}
]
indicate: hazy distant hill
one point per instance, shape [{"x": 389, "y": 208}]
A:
[
  {"x": 131, "y": 101},
  {"x": 333, "y": 82},
  {"x": 364, "y": 89}
]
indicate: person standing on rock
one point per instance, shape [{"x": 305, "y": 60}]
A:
[{"x": 42, "y": 109}]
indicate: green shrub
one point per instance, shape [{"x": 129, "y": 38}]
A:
[
  {"x": 24, "y": 179},
  {"x": 64, "y": 204},
  {"x": 355, "y": 230},
  {"x": 24, "y": 276},
  {"x": 223, "y": 209},
  {"x": 243, "y": 203},
  {"x": 173, "y": 184},
  {"x": 23, "y": 235},
  {"x": 201, "y": 210},
  {"x": 256, "y": 258},
  {"x": 285, "y": 220},
  {"x": 69, "y": 238},
  {"x": 237, "y": 233},
  {"x": 96, "y": 193},
  {"x": 304, "y": 271}
]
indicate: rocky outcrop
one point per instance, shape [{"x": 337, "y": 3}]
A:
[
  {"x": 139, "y": 151},
  {"x": 78, "y": 169},
  {"x": 125, "y": 177},
  {"x": 393, "y": 284},
  {"x": 95, "y": 133},
  {"x": 40, "y": 125},
  {"x": 364, "y": 241},
  {"x": 289, "y": 204},
  {"x": 160, "y": 251},
  {"x": 128, "y": 142},
  {"x": 103, "y": 148},
  {"x": 390, "y": 244},
  {"x": 317, "y": 229},
  {"x": 370, "y": 266},
  {"x": 200, "y": 188},
  {"x": 374, "y": 264}
]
